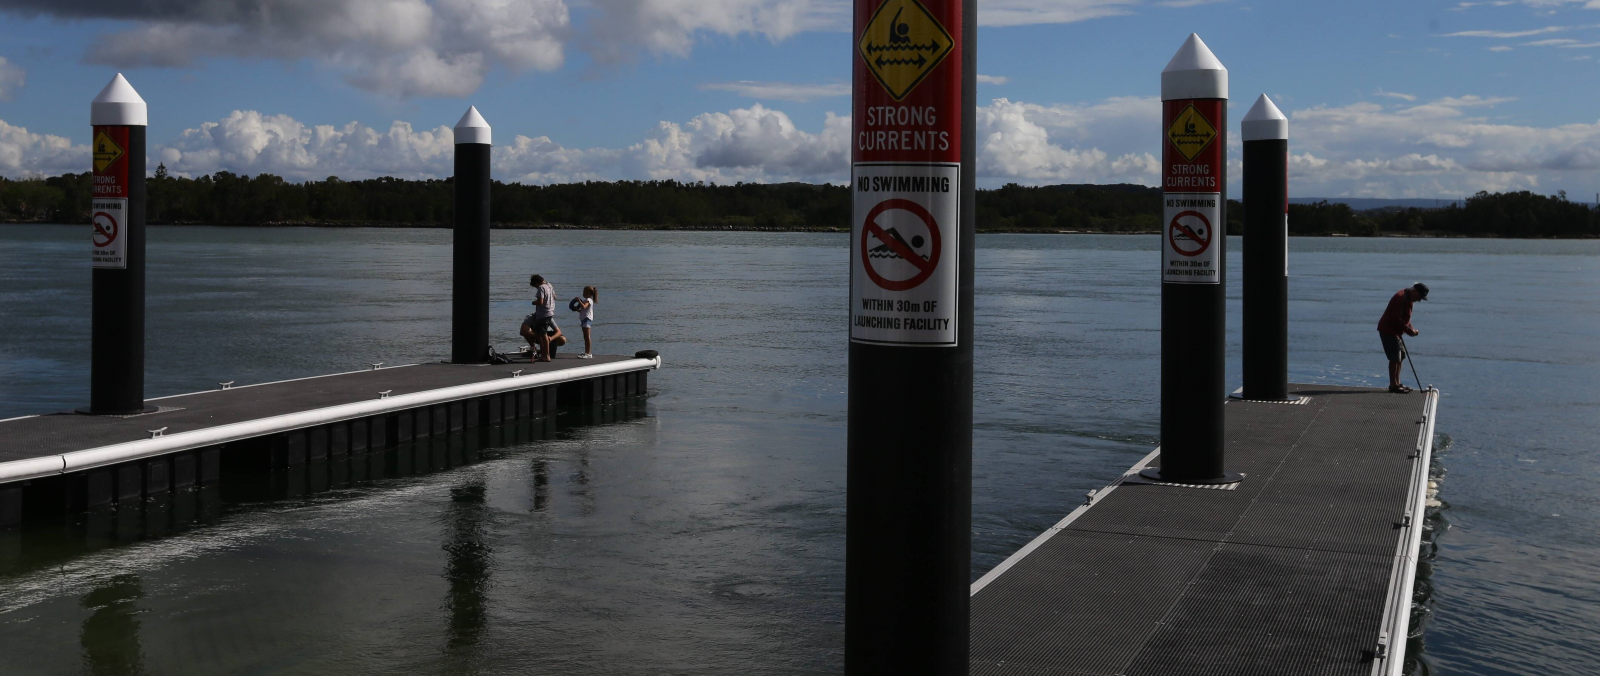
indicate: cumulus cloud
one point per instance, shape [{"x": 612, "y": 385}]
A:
[
  {"x": 12, "y": 78},
  {"x": 1020, "y": 142},
  {"x": 993, "y": 79},
  {"x": 1121, "y": 124},
  {"x": 780, "y": 91},
  {"x": 1410, "y": 148},
  {"x": 1437, "y": 147},
  {"x": 401, "y": 47},
  {"x": 1034, "y": 144},
  {"x": 250, "y": 142},
  {"x": 746, "y": 144},
  {"x": 1445, "y": 146},
  {"x": 1017, "y": 142},
  {"x": 758, "y": 137},
  {"x": 24, "y": 153}
]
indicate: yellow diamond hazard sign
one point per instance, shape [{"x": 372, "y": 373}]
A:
[
  {"x": 1191, "y": 132},
  {"x": 902, "y": 44},
  {"x": 106, "y": 151}
]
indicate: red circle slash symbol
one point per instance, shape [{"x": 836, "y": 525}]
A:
[
  {"x": 895, "y": 247},
  {"x": 105, "y": 229},
  {"x": 1190, "y": 233}
]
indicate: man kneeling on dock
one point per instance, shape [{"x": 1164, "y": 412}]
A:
[
  {"x": 1397, "y": 320},
  {"x": 539, "y": 328}
]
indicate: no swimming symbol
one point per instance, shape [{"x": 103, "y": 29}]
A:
[
  {"x": 105, "y": 229},
  {"x": 1190, "y": 233},
  {"x": 896, "y": 250}
]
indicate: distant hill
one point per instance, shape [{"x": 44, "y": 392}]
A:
[
  {"x": 225, "y": 198},
  {"x": 1365, "y": 203},
  {"x": 1107, "y": 187},
  {"x": 1368, "y": 203}
]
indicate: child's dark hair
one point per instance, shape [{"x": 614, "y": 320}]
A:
[
  {"x": 591, "y": 292},
  {"x": 536, "y": 280}
]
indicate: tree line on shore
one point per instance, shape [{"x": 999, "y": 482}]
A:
[{"x": 226, "y": 198}]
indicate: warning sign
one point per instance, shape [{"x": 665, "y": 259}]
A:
[
  {"x": 1194, "y": 231},
  {"x": 902, "y": 43},
  {"x": 108, "y": 207},
  {"x": 903, "y": 273},
  {"x": 110, "y": 162},
  {"x": 1190, "y": 133},
  {"x": 109, "y": 238},
  {"x": 907, "y": 72},
  {"x": 106, "y": 151},
  {"x": 1192, "y": 241}
]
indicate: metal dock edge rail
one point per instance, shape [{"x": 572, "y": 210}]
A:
[
  {"x": 57, "y": 464},
  {"x": 1391, "y": 654}
]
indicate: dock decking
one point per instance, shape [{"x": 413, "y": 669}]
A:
[
  {"x": 1305, "y": 567},
  {"x": 112, "y": 458}
]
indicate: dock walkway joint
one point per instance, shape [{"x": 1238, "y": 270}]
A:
[{"x": 1304, "y": 568}]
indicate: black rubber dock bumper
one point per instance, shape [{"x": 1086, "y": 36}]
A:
[
  {"x": 1304, "y": 567},
  {"x": 78, "y": 462}
]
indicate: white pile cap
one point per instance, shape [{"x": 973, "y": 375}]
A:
[
  {"x": 1194, "y": 73},
  {"x": 472, "y": 128},
  {"x": 118, "y": 104},
  {"x": 1264, "y": 122}
]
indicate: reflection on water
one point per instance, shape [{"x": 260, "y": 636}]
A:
[
  {"x": 541, "y": 485},
  {"x": 468, "y": 566},
  {"x": 707, "y": 536},
  {"x": 53, "y": 539},
  {"x": 578, "y": 483},
  {"x": 339, "y": 492},
  {"x": 110, "y": 635}
]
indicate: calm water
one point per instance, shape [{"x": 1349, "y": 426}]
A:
[{"x": 706, "y": 535}]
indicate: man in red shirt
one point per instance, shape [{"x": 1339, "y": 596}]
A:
[{"x": 1397, "y": 320}]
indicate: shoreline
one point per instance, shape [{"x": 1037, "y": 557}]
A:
[{"x": 752, "y": 228}]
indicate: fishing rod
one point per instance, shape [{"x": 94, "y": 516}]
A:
[{"x": 1411, "y": 361}]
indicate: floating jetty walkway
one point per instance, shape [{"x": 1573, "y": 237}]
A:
[
  {"x": 70, "y": 462},
  {"x": 1305, "y": 567},
  {"x": 123, "y": 448}
]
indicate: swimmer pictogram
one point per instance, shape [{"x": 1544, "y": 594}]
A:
[
  {"x": 1189, "y": 233},
  {"x": 918, "y": 257},
  {"x": 902, "y": 43},
  {"x": 105, "y": 229},
  {"x": 1191, "y": 133},
  {"x": 885, "y": 251}
]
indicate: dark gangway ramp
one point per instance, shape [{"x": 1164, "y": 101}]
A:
[{"x": 1305, "y": 567}]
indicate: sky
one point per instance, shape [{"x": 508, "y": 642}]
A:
[{"x": 1418, "y": 99}]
